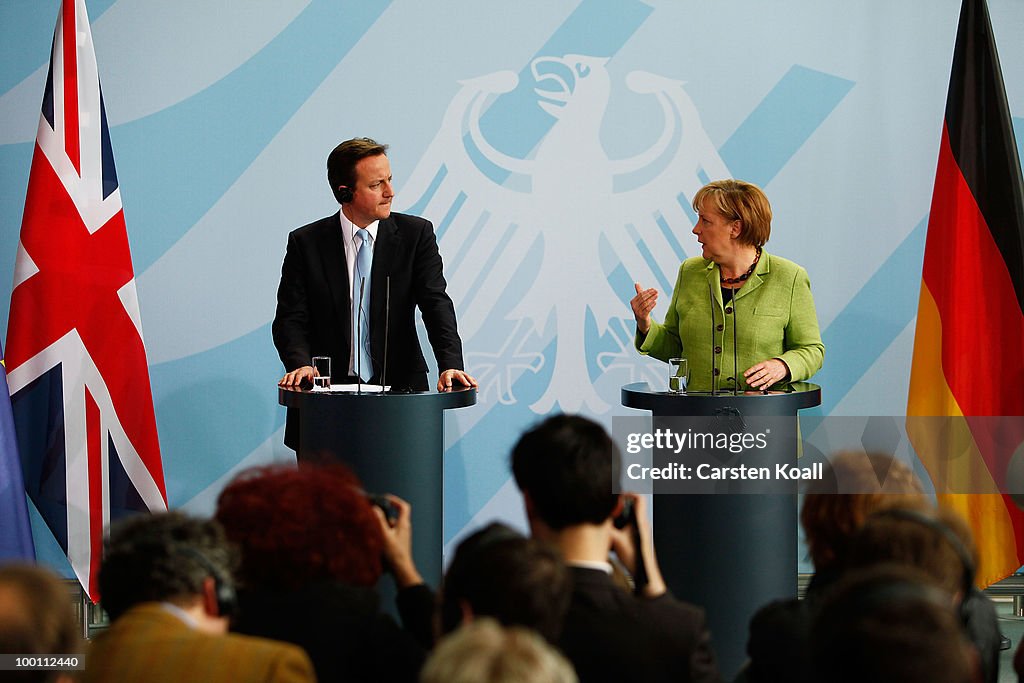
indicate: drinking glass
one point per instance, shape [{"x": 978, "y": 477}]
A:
[
  {"x": 321, "y": 373},
  {"x": 678, "y": 375}
]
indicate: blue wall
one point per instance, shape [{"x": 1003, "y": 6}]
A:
[{"x": 222, "y": 115}]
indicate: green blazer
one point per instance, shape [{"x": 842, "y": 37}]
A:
[{"x": 775, "y": 318}]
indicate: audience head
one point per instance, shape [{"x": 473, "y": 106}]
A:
[
  {"x": 485, "y": 652},
  {"x": 856, "y": 485},
  {"x": 565, "y": 468},
  {"x": 167, "y": 557},
  {"x": 496, "y": 572},
  {"x": 35, "y": 619},
  {"x": 341, "y": 164},
  {"x": 934, "y": 540},
  {"x": 297, "y": 525},
  {"x": 889, "y": 624}
]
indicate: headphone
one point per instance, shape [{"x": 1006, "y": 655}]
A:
[
  {"x": 344, "y": 194},
  {"x": 223, "y": 586}
]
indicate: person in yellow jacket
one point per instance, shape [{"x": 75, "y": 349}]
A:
[{"x": 166, "y": 582}]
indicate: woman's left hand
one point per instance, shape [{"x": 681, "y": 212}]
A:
[{"x": 766, "y": 373}]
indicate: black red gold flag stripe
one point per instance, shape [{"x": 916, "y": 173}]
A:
[{"x": 969, "y": 343}]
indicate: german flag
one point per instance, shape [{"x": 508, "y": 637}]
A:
[{"x": 969, "y": 344}]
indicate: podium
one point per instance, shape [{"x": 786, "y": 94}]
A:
[
  {"x": 731, "y": 553},
  {"x": 394, "y": 443}
]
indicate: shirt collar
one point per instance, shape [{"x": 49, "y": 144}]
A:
[
  {"x": 180, "y": 613},
  {"x": 605, "y": 567},
  {"x": 348, "y": 228}
]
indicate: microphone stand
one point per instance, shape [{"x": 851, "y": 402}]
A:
[
  {"x": 735, "y": 350},
  {"x": 359, "y": 338},
  {"x": 387, "y": 322},
  {"x": 711, "y": 298}
]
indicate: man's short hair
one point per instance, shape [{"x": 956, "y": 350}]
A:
[
  {"x": 341, "y": 162},
  {"x": 485, "y": 652},
  {"x": 164, "y": 557},
  {"x": 887, "y": 624},
  {"x": 502, "y": 574},
  {"x": 35, "y": 618},
  {"x": 567, "y": 465}
]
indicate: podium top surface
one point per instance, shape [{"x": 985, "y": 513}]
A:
[
  {"x": 796, "y": 396},
  {"x": 458, "y": 398}
]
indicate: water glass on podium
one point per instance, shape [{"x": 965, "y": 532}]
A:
[
  {"x": 678, "y": 375},
  {"x": 321, "y": 373}
]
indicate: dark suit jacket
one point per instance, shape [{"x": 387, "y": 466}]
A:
[
  {"x": 314, "y": 303},
  {"x": 341, "y": 628},
  {"x": 148, "y": 644},
  {"x": 611, "y": 635},
  {"x": 780, "y": 633},
  {"x": 779, "y": 641}
]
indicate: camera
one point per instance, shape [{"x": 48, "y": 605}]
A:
[
  {"x": 627, "y": 516},
  {"x": 389, "y": 509}
]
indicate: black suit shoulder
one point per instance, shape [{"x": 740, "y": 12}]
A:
[
  {"x": 318, "y": 226},
  {"x": 408, "y": 220},
  {"x": 778, "y": 644},
  {"x": 611, "y": 635}
]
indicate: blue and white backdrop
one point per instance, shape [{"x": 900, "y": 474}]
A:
[{"x": 555, "y": 144}]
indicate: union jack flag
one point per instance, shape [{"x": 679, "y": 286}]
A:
[{"x": 76, "y": 362}]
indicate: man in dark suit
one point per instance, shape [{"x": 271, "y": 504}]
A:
[
  {"x": 342, "y": 273},
  {"x": 565, "y": 469}
]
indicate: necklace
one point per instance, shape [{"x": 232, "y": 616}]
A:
[{"x": 746, "y": 275}]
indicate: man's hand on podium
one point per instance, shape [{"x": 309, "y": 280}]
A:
[
  {"x": 446, "y": 382},
  {"x": 295, "y": 378}
]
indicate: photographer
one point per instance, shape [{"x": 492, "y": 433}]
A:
[
  {"x": 312, "y": 552},
  {"x": 565, "y": 471}
]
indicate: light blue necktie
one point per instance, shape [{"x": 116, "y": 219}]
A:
[{"x": 361, "y": 321}]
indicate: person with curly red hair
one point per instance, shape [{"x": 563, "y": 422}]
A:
[{"x": 312, "y": 551}]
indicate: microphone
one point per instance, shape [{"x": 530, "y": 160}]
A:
[
  {"x": 359, "y": 337},
  {"x": 735, "y": 351},
  {"x": 387, "y": 322}
]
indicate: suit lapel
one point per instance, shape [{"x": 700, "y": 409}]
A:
[
  {"x": 384, "y": 253},
  {"x": 331, "y": 246},
  {"x": 714, "y": 287},
  {"x": 756, "y": 279}
]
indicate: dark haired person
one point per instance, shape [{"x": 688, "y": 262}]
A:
[
  {"x": 869, "y": 482},
  {"x": 365, "y": 252},
  {"x": 312, "y": 552},
  {"x": 889, "y": 624},
  {"x": 871, "y": 522},
  {"x": 565, "y": 468},
  {"x": 166, "y": 582},
  {"x": 499, "y": 573},
  {"x": 938, "y": 542},
  {"x": 734, "y": 280}
]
